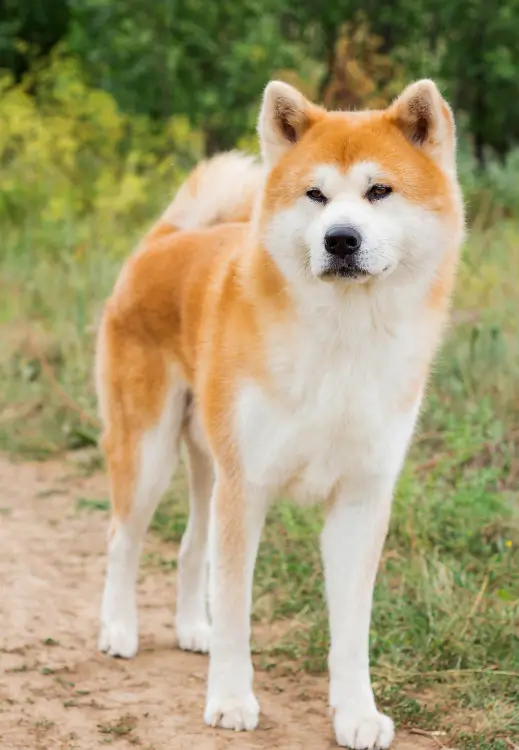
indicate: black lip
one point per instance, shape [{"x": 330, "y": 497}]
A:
[
  {"x": 352, "y": 273},
  {"x": 346, "y": 272}
]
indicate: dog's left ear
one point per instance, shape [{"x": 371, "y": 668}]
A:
[
  {"x": 285, "y": 117},
  {"x": 426, "y": 120}
]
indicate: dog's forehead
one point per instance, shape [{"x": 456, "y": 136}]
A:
[
  {"x": 347, "y": 137},
  {"x": 344, "y": 139},
  {"x": 355, "y": 149},
  {"x": 335, "y": 178}
]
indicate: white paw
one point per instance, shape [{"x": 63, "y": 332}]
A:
[
  {"x": 370, "y": 731},
  {"x": 232, "y": 713},
  {"x": 194, "y": 636},
  {"x": 119, "y": 638}
]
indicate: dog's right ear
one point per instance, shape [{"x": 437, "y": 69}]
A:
[{"x": 285, "y": 117}]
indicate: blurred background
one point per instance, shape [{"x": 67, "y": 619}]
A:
[
  {"x": 99, "y": 94},
  {"x": 104, "y": 106}
]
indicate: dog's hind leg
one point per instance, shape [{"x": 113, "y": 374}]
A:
[
  {"x": 143, "y": 407},
  {"x": 193, "y": 628}
]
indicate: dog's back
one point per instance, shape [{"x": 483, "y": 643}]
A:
[{"x": 144, "y": 321}]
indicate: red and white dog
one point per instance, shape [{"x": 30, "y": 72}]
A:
[{"x": 280, "y": 320}]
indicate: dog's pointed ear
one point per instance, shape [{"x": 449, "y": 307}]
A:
[
  {"x": 426, "y": 120},
  {"x": 285, "y": 117}
]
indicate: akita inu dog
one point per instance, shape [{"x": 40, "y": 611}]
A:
[{"x": 280, "y": 320}]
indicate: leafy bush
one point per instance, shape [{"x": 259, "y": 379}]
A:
[
  {"x": 492, "y": 194},
  {"x": 66, "y": 150}
]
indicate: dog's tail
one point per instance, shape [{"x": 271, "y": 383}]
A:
[{"x": 218, "y": 190}]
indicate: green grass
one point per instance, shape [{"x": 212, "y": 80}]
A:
[
  {"x": 86, "y": 503},
  {"x": 445, "y": 635}
]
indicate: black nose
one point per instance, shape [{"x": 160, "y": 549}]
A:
[{"x": 342, "y": 241}]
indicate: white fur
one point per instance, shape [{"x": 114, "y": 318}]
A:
[
  {"x": 119, "y": 629},
  {"x": 193, "y": 627},
  {"x": 223, "y": 188},
  {"x": 351, "y": 543},
  {"x": 230, "y": 700}
]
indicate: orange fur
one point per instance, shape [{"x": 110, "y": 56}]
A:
[{"x": 176, "y": 303}]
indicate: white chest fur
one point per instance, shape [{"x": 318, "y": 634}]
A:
[{"x": 336, "y": 404}]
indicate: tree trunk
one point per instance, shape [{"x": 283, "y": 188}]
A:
[
  {"x": 330, "y": 36},
  {"x": 479, "y": 151}
]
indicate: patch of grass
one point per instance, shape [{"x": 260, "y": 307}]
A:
[
  {"x": 21, "y": 668},
  {"x": 121, "y": 728},
  {"x": 64, "y": 683},
  {"x": 89, "y": 463},
  {"x": 408, "y": 711},
  {"x": 44, "y": 724},
  {"x": 52, "y": 492},
  {"x": 170, "y": 519},
  {"x": 445, "y": 638},
  {"x": 86, "y": 503},
  {"x": 478, "y": 742},
  {"x": 156, "y": 560}
]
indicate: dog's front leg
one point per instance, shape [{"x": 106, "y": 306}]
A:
[
  {"x": 237, "y": 518},
  {"x": 351, "y": 542}
]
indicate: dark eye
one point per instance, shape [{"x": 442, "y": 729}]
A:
[
  {"x": 315, "y": 195},
  {"x": 376, "y": 192}
]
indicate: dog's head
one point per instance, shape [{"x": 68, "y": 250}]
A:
[{"x": 353, "y": 196}]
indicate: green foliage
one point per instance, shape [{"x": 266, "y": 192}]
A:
[
  {"x": 85, "y": 503},
  {"x": 29, "y": 31},
  {"x": 79, "y": 182},
  {"x": 481, "y": 65},
  {"x": 170, "y": 57},
  {"x": 210, "y": 61},
  {"x": 69, "y": 149},
  {"x": 492, "y": 194}
]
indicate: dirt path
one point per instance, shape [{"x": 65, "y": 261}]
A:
[{"x": 57, "y": 692}]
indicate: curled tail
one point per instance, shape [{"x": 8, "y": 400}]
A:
[{"x": 218, "y": 190}]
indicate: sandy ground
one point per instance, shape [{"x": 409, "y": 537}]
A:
[{"x": 57, "y": 692}]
